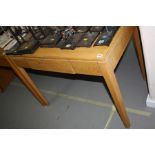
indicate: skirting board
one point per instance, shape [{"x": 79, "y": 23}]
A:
[{"x": 149, "y": 102}]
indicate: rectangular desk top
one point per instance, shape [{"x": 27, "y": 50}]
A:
[
  {"x": 80, "y": 53},
  {"x": 111, "y": 53}
]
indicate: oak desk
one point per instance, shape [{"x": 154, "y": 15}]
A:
[{"x": 98, "y": 61}]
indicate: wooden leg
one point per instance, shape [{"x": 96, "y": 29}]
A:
[
  {"x": 113, "y": 87},
  {"x": 138, "y": 46},
  {"x": 24, "y": 77}
]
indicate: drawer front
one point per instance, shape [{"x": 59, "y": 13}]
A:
[
  {"x": 21, "y": 62},
  {"x": 57, "y": 65},
  {"x": 62, "y": 66},
  {"x": 85, "y": 67}
]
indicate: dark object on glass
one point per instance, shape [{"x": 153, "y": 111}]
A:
[
  {"x": 25, "y": 48},
  {"x": 67, "y": 34},
  {"x": 56, "y": 29},
  {"x": 3, "y": 29},
  {"x": 70, "y": 38},
  {"x": 106, "y": 36},
  {"x": 88, "y": 39},
  {"x": 97, "y": 28},
  {"x": 28, "y": 38},
  {"x": 38, "y": 32},
  {"x": 23, "y": 42},
  {"x": 50, "y": 41},
  {"x": 70, "y": 43},
  {"x": 82, "y": 29},
  {"x": 53, "y": 37}
]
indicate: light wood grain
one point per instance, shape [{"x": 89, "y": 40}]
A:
[
  {"x": 80, "y": 53},
  {"x": 26, "y": 80},
  {"x": 55, "y": 65},
  {"x": 118, "y": 45},
  {"x": 137, "y": 42},
  {"x": 3, "y": 62},
  {"x": 85, "y": 67},
  {"x": 111, "y": 81}
]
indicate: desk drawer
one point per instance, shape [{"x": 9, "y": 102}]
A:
[
  {"x": 85, "y": 67},
  {"x": 54, "y": 65}
]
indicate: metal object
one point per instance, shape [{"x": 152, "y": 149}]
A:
[
  {"x": 52, "y": 38},
  {"x": 23, "y": 42},
  {"x": 97, "y": 28},
  {"x": 25, "y": 39},
  {"x": 88, "y": 39},
  {"x": 106, "y": 36}
]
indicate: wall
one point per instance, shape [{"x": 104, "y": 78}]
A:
[{"x": 148, "y": 42}]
